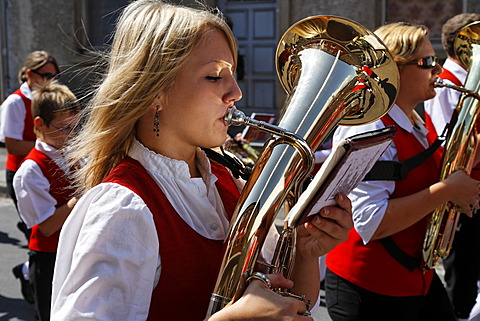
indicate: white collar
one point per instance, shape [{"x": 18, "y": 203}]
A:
[
  {"x": 168, "y": 167},
  {"x": 402, "y": 120}
]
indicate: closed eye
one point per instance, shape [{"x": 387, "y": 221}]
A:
[{"x": 213, "y": 78}]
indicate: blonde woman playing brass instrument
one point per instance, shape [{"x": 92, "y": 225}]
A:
[
  {"x": 146, "y": 240},
  {"x": 377, "y": 274}
]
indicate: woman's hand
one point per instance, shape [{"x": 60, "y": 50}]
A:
[
  {"x": 326, "y": 230},
  {"x": 260, "y": 303},
  {"x": 464, "y": 191}
]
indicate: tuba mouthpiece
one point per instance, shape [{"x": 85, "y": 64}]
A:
[
  {"x": 234, "y": 117},
  {"x": 439, "y": 82}
]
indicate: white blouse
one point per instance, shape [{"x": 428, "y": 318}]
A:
[
  {"x": 108, "y": 255},
  {"x": 370, "y": 198},
  {"x": 108, "y": 260}
]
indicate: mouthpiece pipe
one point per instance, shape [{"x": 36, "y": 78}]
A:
[
  {"x": 236, "y": 117},
  {"x": 439, "y": 82}
]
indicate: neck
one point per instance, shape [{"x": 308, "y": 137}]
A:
[
  {"x": 192, "y": 166},
  {"x": 456, "y": 60},
  {"x": 407, "y": 107}
]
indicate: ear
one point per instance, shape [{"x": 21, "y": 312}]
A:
[
  {"x": 159, "y": 101},
  {"x": 39, "y": 123},
  {"x": 156, "y": 105}
]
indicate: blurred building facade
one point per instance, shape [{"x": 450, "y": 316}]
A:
[{"x": 72, "y": 30}]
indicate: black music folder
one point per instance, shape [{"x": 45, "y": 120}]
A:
[{"x": 342, "y": 171}]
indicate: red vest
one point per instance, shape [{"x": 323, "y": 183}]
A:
[
  {"x": 370, "y": 266},
  {"x": 61, "y": 191},
  {"x": 14, "y": 161},
  {"x": 190, "y": 262}
]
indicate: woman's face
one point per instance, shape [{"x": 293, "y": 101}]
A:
[
  {"x": 416, "y": 83},
  {"x": 192, "y": 110},
  {"x": 41, "y": 75}
]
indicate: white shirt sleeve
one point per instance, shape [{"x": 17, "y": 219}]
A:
[
  {"x": 107, "y": 259},
  {"x": 369, "y": 199},
  {"x": 12, "y": 118},
  {"x": 35, "y": 203}
]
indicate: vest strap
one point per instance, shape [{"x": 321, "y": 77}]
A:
[
  {"x": 233, "y": 164},
  {"x": 396, "y": 171},
  {"x": 400, "y": 256},
  {"x": 447, "y": 74}
]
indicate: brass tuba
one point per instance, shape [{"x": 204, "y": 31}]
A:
[
  {"x": 335, "y": 71},
  {"x": 460, "y": 146}
]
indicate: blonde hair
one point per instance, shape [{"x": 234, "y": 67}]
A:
[
  {"x": 35, "y": 61},
  {"x": 50, "y": 98},
  {"x": 403, "y": 39},
  {"x": 152, "y": 40}
]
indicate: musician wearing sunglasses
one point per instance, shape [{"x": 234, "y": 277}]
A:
[
  {"x": 16, "y": 125},
  {"x": 462, "y": 266},
  {"x": 16, "y": 130},
  {"x": 377, "y": 274}
]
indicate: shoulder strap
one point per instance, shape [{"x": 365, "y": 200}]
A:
[
  {"x": 447, "y": 74},
  {"x": 237, "y": 168},
  {"x": 400, "y": 256},
  {"x": 396, "y": 171}
]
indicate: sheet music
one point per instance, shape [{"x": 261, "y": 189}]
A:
[
  {"x": 350, "y": 174},
  {"x": 343, "y": 170}
]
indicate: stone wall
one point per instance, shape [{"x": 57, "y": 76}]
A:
[
  {"x": 37, "y": 25},
  {"x": 363, "y": 12}
]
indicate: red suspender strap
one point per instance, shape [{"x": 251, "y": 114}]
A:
[{"x": 446, "y": 74}]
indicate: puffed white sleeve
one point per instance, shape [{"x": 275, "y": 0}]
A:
[
  {"x": 32, "y": 188},
  {"x": 12, "y": 118},
  {"x": 370, "y": 198},
  {"x": 107, "y": 259}
]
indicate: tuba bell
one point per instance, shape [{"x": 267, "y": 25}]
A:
[
  {"x": 334, "y": 71},
  {"x": 460, "y": 146}
]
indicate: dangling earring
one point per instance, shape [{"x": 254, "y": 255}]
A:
[{"x": 156, "y": 121}]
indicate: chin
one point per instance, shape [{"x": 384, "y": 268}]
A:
[
  {"x": 432, "y": 95},
  {"x": 214, "y": 144}
]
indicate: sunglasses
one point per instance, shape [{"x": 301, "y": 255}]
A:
[
  {"x": 46, "y": 75},
  {"x": 425, "y": 62}
]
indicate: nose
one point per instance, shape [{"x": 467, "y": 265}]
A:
[
  {"x": 437, "y": 70},
  {"x": 234, "y": 93}
]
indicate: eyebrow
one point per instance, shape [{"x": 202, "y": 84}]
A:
[{"x": 219, "y": 62}]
